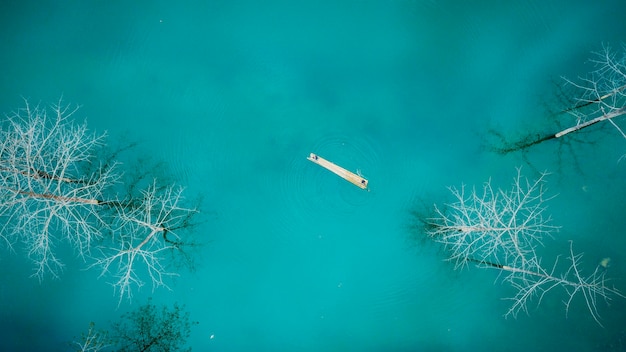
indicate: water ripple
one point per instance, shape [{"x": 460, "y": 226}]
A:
[{"x": 307, "y": 190}]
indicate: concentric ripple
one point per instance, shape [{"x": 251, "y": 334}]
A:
[{"x": 308, "y": 190}]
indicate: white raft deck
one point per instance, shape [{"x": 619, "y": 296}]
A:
[{"x": 340, "y": 171}]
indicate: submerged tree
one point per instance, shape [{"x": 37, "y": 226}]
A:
[
  {"x": 149, "y": 328},
  {"x": 55, "y": 187},
  {"x": 146, "y": 233},
  {"x": 93, "y": 340},
  {"x": 599, "y": 97},
  {"x": 503, "y": 229},
  {"x": 152, "y": 329},
  {"x": 44, "y": 193},
  {"x": 491, "y": 225}
]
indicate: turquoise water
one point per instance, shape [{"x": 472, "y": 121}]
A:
[{"x": 234, "y": 95}]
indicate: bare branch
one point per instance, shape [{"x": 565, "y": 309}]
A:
[
  {"x": 93, "y": 341},
  {"x": 54, "y": 189},
  {"x": 45, "y": 194},
  {"x": 143, "y": 236},
  {"x": 600, "y": 96},
  {"x": 502, "y": 230},
  {"x": 495, "y": 225}
]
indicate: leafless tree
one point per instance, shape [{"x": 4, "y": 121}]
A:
[
  {"x": 46, "y": 197},
  {"x": 148, "y": 328},
  {"x": 536, "y": 283},
  {"x": 599, "y": 97},
  {"x": 503, "y": 230},
  {"x": 602, "y": 95},
  {"x": 146, "y": 234},
  {"x": 490, "y": 224},
  {"x": 54, "y": 189},
  {"x": 93, "y": 341}
]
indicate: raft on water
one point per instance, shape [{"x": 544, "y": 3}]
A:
[{"x": 349, "y": 176}]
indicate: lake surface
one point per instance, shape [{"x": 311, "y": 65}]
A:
[{"x": 233, "y": 96}]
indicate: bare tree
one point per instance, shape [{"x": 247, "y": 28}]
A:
[
  {"x": 54, "y": 189},
  {"x": 536, "y": 283},
  {"x": 148, "y": 328},
  {"x": 599, "y": 97},
  {"x": 602, "y": 95},
  {"x": 503, "y": 230},
  {"x": 152, "y": 329},
  {"x": 93, "y": 341},
  {"x": 493, "y": 224},
  {"x": 45, "y": 194},
  {"x": 146, "y": 233}
]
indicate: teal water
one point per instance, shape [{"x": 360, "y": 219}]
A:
[{"x": 234, "y": 95}]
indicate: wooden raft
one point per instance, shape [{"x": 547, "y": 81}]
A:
[{"x": 340, "y": 171}]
